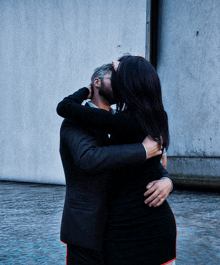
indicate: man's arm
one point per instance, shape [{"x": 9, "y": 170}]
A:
[
  {"x": 94, "y": 159},
  {"x": 90, "y": 157},
  {"x": 159, "y": 189}
]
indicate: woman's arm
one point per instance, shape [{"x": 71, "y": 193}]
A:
[
  {"x": 164, "y": 161},
  {"x": 71, "y": 108}
]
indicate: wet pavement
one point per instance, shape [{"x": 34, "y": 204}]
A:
[{"x": 30, "y": 216}]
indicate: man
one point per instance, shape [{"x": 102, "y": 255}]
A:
[{"x": 87, "y": 162}]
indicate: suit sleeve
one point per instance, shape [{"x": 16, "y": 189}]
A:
[
  {"x": 71, "y": 109},
  {"x": 162, "y": 173},
  {"x": 94, "y": 159}
]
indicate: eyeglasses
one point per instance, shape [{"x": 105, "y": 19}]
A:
[{"x": 105, "y": 77}]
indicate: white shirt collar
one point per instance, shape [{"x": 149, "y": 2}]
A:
[{"x": 94, "y": 106}]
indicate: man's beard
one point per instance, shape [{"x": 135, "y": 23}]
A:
[{"x": 107, "y": 94}]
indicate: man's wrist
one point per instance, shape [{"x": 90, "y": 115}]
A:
[
  {"x": 170, "y": 181},
  {"x": 145, "y": 150}
]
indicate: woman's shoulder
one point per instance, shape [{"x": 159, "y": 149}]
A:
[
  {"x": 128, "y": 114},
  {"x": 128, "y": 118},
  {"x": 127, "y": 122}
]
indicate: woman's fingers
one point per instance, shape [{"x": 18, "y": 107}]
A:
[
  {"x": 115, "y": 65},
  {"x": 90, "y": 91}
]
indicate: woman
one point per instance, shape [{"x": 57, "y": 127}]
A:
[{"x": 135, "y": 233}]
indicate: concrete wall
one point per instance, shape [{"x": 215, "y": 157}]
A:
[
  {"x": 188, "y": 65},
  {"x": 48, "y": 49}
]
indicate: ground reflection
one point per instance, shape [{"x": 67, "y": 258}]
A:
[{"x": 30, "y": 223}]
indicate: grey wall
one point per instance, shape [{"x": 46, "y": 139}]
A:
[
  {"x": 188, "y": 65},
  {"x": 48, "y": 49}
]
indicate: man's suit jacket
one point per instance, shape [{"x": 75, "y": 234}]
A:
[{"x": 87, "y": 165}]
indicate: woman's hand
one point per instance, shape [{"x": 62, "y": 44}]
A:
[
  {"x": 90, "y": 91},
  {"x": 164, "y": 161},
  {"x": 115, "y": 65}
]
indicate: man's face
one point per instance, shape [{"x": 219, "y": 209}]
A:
[{"x": 106, "y": 89}]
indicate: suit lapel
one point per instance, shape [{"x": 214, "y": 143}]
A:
[{"x": 101, "y": 136}]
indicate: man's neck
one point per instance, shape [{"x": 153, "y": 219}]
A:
[{"x": 100, "y": 104}]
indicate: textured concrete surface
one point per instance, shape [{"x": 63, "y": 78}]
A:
[
  {"x": 202, "y": 171},
  {"x": 30, "y": 223},
  {"x": 188, "y": 65},
  {"x": 49, "y": 49}
]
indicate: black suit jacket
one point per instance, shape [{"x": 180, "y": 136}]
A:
[
  {"x": 87, "y": 165},
  {"x": 124, "y": 127}
]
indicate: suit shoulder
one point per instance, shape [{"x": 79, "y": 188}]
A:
[
  {"x": 70, "y": 127},
  {"x": 69, "y": 124}
]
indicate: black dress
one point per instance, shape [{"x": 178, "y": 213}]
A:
[{"x": 135, "y": 232}]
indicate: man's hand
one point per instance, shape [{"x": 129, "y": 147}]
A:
[
  {"x": 152, "y": 147},
  {"x": 90, "y": 91},
  {"x": 159, "y": 190}
]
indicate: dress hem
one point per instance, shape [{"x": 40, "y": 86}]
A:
[{"x": 169, "y": 261}]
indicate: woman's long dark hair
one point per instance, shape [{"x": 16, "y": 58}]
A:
[{"x": 137, "y": 85}]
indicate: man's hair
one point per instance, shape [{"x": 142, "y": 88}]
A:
[{"x": 99, "y": 72}]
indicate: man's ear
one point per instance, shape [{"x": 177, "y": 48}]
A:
[{"x": 97, "y": 82}]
